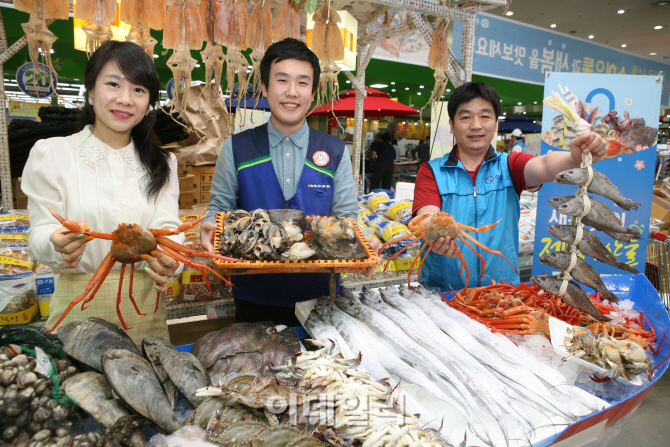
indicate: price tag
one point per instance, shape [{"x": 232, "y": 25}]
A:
[
  {"x": 42, "y": 365},
  {"x": 221, "y": 310},
  {"x": 405, "y": 264}
]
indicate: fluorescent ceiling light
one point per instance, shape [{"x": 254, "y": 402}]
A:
[
  {"x": 509, "y": 13},
  {"x": 379, "y": 86},
  {"x": 553, "y": 25},
  {"x": 621, "y": 11}
]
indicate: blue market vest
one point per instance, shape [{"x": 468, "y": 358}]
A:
[
  {"x": 495, "y": 199},
  {"x": 522, "y": 144},
  {"x": 260, "y": 188}
]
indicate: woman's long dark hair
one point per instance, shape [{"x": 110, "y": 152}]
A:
[{"x": 138, "y": 67}]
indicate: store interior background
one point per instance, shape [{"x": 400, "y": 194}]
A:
[{"x": 643, "y": 27}]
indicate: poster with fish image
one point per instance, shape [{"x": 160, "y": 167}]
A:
[{"x": 624, "y": 110}]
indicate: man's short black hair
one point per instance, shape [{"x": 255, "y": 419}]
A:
[
  {"x": 289, "y": 48},
  {"x": 472, "y": 90},
  {"x": 428, "y": 137},
  {"x": 386, "y": 136}
]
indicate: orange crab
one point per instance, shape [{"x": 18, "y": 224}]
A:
[
  {"x": 440, "y": 225},
  {"x": 131, "y": 244}
]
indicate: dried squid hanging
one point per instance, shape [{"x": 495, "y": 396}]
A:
[
  {"x": 212, "y": 55},
  {"x": 143, "y": 15},
  {"x": 287, "y": 23},
  {"x": 328, "y": 46},
  {"x": 38, "y": 36},
  {"x": 182, "y": 34},
  {"x": 438, "y": 60},
  {"x": 231, "y": 32},
  {"x": 100, "y": 14},
  {"x": 259, "y": 38}
]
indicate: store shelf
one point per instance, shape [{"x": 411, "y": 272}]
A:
[{"x": 191, "y": 309}]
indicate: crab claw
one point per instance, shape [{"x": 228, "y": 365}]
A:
[
  {"x": 70, "y": 225},
  {"x": 209, "y": 391}
]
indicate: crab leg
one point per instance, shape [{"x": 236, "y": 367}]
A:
[
  {"x": 400, "y": 252},
  {"x": 484, "y": 247},
  {"x": 181, "y": 249},
  {"x": 99, "y": 276},
  {"x": 197, "y": 265},
  {"x": 425, "y": 255},
  {"x": 475, "y": 252},
  {"x": 180, "y": 229},
  {"x": 81, "y": 229},
  {"x": 118, "y": 301},
  {"x": 130, "y": 286},
  {"x": 467, "y": 271},
  {"x": 411, "y": 267},
  {"x": 97, "y": 286},
  {"x": 481, "y": 229}
]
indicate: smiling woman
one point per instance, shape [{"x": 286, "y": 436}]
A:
[{"x": 112, "y": 171}]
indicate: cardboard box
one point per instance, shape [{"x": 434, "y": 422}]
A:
[
  {"x": 660, "y": 209},
  {"x": 204, "y": 188},
  {"x": 181, "y": 169},
  {"x": 187, "y": 182},
  {"x": 17, "y": 193},
  {"x": 187, "y": 199},
  {"x": 203, "y": 197}
]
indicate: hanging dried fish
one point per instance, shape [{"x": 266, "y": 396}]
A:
[
  {"x": 100, "y": 14},
  {"x": 143, "y": 15},
  {"x": 38, "y": 36},
  {"x": 231, "y": 32},
  {"x": 183, "y": 33},
  {"x": 438, "y": 60},
  {"x": 259, "y": 38},
  {"x": 212, "y": 55},
  {"x": 287, "y": 23},
  {"x": 328, "y": 46}
]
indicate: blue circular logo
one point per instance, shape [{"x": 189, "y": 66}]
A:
[
  {"x": 489, "y": 180},
  {"x": 38, "y": 83},
  {"x": 170, "y": 89}
]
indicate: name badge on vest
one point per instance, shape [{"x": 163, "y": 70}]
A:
[{"x": 321, "y": 158}]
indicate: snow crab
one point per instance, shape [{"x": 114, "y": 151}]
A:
[
  {"x": 131, "y": 244},
  {"x": 431, "y": 228}
]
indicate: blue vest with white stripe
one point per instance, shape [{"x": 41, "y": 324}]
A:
[
  {"x": 493, "y": 199},
  {"x": 259, "y": 188},
  {"x": 520, "y": 144}
]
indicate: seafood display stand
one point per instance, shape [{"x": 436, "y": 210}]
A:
[{"x": 601, "y": 427}]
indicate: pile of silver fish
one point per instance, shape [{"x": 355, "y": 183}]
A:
[
  {"x": 412, "y": 334},
  {"x": 266, "y": 235},
  {"x": 601, "y": 218},
  {"x": 28, "y": 413}
]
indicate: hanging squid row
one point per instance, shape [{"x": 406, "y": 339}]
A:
[
  {"x": 220, "y": 23},
  {"x": 438, "y": 60}
]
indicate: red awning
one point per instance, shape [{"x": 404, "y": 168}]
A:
[{"x": 377, "y": 103}]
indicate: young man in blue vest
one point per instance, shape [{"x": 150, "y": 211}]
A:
[
  {"x": 282, "y": 164},
  {"x": 479, "y": 186}
]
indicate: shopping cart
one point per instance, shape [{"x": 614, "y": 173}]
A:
[{"x": 657, "y": 269}]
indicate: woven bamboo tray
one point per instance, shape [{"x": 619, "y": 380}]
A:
[{"x": 318, "y": 266}]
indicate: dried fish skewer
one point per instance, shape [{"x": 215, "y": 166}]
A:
[{"x": 143, "y": 15}]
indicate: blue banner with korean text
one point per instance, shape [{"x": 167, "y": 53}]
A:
[
  {"x": 510, "y": 50},
  {"x": 624, "y": 110}
]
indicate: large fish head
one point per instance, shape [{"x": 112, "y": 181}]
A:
[
  {"x": 550, "y": 259},
  {"x": 324, "y": 312},
  {"x": 350, "y": 293},
  {"x": 562, "y": 232},
  {"x": 543, "y": 281},
  {"x": 371, "y": 295},
  {"x": 346, "y": 305},
  {"x": 556, "y": 202},
  {"x": 571, "y": 177}
]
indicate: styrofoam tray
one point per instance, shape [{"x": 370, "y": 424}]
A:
[{"x": 559, "y": 330}]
